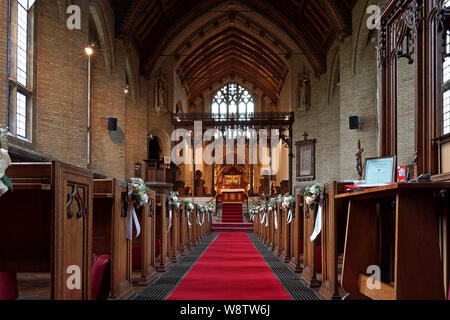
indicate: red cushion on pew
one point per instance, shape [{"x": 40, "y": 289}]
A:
[
  {"x": 158, "y": 246},
  {"x": 318, "y": 258},
  {"x": 101, "y": 271},
  {"x": 8, "y": 286},
  {"x": 137, "y": 256}
]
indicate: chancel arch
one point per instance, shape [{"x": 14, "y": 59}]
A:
[
  {"x": 163, "y": 139},
  {"x": 102, "y": 16},
  {"x": 132, "y": 74}
]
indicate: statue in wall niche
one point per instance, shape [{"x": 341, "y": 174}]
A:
[
  {"x": 160, "y": 96},
  {"x": 304, "y": 91}
]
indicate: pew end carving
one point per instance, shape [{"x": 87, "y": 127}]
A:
[{"x": 48, "y": 226}]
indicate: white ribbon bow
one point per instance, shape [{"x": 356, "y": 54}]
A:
[
  {"x": 265, "y": 218},
  {"x": 170, "y": 219},
  {"x": 318, "y": 226},
  {"x": 275, "y": 219},
  {"x": 198, "y": 219},
  {"x": 131, "y": 216},
  {"x": 289, "y": 216},
  {"x": 188, "y": 219}
]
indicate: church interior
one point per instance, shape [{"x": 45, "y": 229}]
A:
[{"x": 224, "y": 150}]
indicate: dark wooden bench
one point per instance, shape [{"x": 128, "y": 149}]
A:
[
  {"x": 109, "y": 234},
  {"x": 47, "y": 226}
]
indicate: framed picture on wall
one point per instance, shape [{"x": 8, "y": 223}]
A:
[{"x": 306, "y": 160}]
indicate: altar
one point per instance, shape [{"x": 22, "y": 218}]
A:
[{"x": 233, "y": 195}]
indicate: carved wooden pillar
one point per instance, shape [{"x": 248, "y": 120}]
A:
[
  {"x": 415, "y": 22},
  {"x": 174, "y": 233},
  {"x": 183, "y": 231},
  {"x": 297, "y": 236},
  {"x": 286, "y": 237},
  {"x": 309, "y": 255}
]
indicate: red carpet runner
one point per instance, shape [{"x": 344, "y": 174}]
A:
[
  {"x": 232, "y": 212},
  {"x": 231, "y": 269}
]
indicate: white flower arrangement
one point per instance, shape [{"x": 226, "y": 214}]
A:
[
  {"x": 272, "y": 204},
  {"x": 312, "y": 195},
  {"x": 211, "y": 208},
  {"x": 5, "y": 162},
  {"x": 288, "y": 201},
  {"x": 189, "y": 206},
  {"x": 139, "y": 194},
  {"x": 201, "y": 208},
  {"x": 173, "y": 200}
]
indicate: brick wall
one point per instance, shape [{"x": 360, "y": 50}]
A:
[
  {"x": 61, "y": 100},
  {"x": 333, "y": 103},
  {"x": 406, "y": 112},
  {"x": 136, "y": 131},
  {"x": 3, "y": 60},
  {"x": 61, "y": 85}
]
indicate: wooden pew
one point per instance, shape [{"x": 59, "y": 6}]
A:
[
  {"x": 190, "y": 231},
  {"x": 297, "y": 237},
  {"x": 267, "y": 231},
  {"x": 334, "y": 221},
  {"x": 195, "y": 227},
  {"x": 163, "y": 259},
  {"x": 174, "y": 235},
  {"x": 277, "y": 231},
  {"x": 146, "y": 242},
  {"x": 286, "y": 233},
  {"x": 182, "y": 241},
  {"x": 271, "y": 230},
  {"x": 46, "y": 226},
  {"x": 403, "y": 240},
  {"x": 109, "y": 234},
  {"x": 309, "y": 274}
]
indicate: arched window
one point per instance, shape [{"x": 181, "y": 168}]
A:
[
  {"x": 446, "y": 82},
  {"x": 233, "y": 101}
]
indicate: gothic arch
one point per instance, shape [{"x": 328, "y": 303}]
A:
[
  {"x": 132, "y": 75},
  {"x": 333, "y": 78},
  {"x": 361, "y": 33},
  {"x": 103, "y": 17},
  {"x": 164, "y": 139}
]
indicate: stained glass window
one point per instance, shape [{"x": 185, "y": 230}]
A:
[
  {"x": 233, "y": 101},
  {"x": 446, "y": 82}
]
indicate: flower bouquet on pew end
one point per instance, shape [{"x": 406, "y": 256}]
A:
[
  {"x": 173, "y": 200},
  {"x": 312, "y": 195},
  {"x": 140, "y": 197},
  {"x": 289, "y": 204},
  {"x": 5, "y": 162},
  {"x": 189, "y": 206}
]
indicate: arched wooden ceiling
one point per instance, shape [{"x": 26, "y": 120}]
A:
[
  {"x": 313, "y": 24},
  {"x": 232, "y": 52}
]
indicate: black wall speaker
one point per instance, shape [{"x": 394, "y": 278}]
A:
[
  {"x": 354, "y": 122},
  {"x": 112, "y": 124}
]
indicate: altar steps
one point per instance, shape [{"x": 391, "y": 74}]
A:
[
  {"x": 232, "y": 212},
  {"x": 232, "y": 227}
]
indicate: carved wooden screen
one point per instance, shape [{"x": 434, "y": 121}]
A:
[{"x": 413, "y": 29}]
